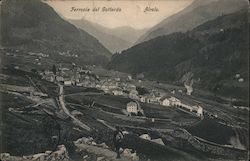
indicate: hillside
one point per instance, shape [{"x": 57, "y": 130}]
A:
[
  {"x": 33, "y": 26},
  {"x": 195, "y": 14},
  {"x": 114, "y": 39},
  {"x": 111, "y": 42},
  {"x": 211, "y": 54}
]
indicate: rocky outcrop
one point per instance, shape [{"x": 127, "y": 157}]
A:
[
  {"x": 60, "y": 154},
  {"x": 91, "y": 151}
]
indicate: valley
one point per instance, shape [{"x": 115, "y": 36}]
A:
[{"x": 174, "y": 91}]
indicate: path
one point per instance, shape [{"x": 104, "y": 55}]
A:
[{"x": 66, "y": 111}]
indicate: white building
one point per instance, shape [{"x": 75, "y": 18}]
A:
[
  {"x": 199, "y": 111},
  {"x": 68, "y": 83},
  {"x": 151, "y": 99},
  {"x": 142, "y": 99},
  {"x": 59, "y": 78},
  {"x": 117, "y": 92},
  {"x": 174, "y": 102},
  {"x": 241, "y": 80},
  {"x": 132, "y": 107},
  {"x": 164, "y": 101},
  {"x": 129, "y": 77}
]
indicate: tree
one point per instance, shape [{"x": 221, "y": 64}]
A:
[{"x": 54, "y": 69}]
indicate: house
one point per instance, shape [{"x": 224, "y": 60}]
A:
[
  {"x": 174, "y": 102},
  {"x": 151, "y": 99},
  {"x": 199, "y": 111},
  {"x": 98, "y": 86},
  {"x": 133, "y": 94},
  {"x": 79, "y": 84},
  {"x": 134, "y": 107},
  {"x": 104, "y": 87},
  {"x": 117, "y": 92},
  {"x": 158, "y": 98},
  {"x": 68, "y": 83},
  {"x": 143, "y": 99},
  {"x": 241, "y": 80},
  {"x": 59, "y": 78},
  {"x": 164, "y": 101}
]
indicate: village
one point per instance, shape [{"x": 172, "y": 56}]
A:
[{"x": 124, "y": 87}]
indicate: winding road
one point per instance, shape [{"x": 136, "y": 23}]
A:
[{"x": 66, "y": 111}]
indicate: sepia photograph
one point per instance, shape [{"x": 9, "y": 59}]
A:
[{"x": 124, "y": 80}]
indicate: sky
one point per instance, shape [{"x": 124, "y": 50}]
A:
[{"x": 129, "y": 13}]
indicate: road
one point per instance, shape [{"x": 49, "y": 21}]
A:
[{"x": 66, "y": 111}]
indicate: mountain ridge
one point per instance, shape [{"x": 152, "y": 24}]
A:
[
  {"x": 195, "y": 14},
  {"x": 32, "y": 25}
]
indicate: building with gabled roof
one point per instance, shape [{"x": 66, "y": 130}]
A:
[{"x": 134, "y": 107}]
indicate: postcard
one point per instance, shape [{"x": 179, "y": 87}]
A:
[{"x": 124, "y": 80}]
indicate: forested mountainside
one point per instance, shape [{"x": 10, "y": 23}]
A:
[{"x": 211, "y": 54}]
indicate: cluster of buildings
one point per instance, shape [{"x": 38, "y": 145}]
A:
[
  {"x": 78, "y": 76},
  {"x": 70, "y": 76},
  {"x": 68, "y": 54},
  {"x": 168, "y": 101},
  {"x": 39, "y": 55},
  {"x": 156, "y": 97}
]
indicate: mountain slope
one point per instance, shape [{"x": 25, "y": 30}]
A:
[
  {"x": 211, "y": 54},
  {"x": 197, "y": 13},
  {"x": 125, "y": 33},
  {"x": 111, "y": 42},
  {"x": 128, "y": 33},
  {"x": 31, "y": 25}
]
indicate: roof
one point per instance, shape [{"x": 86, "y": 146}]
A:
[
  {"x": 174, "y": 99},
  {"x": 165, "y": 97},
  {"x": 116, "y": 89},
  {"x": 132, "y": 103}
]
